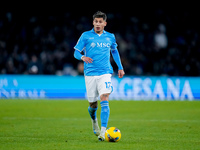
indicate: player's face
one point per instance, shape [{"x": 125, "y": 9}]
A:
[{"x": 99, "y": 25}]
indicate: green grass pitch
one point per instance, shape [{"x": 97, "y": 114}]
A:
[{"x": 65, "y": 124}]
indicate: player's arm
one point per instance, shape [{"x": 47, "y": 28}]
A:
[
  {"x": 117, "y": 60},
  {"x": 79, "y": 56},
  {"x": 79, "y": 48}
]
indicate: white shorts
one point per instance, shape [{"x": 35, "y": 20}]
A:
[{"x": 98, "y": 85}]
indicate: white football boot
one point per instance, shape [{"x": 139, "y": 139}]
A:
[
  {"x": 95, "y": 127},
  {"x": 101, "y": 137}
]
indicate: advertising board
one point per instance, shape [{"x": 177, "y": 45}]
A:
[{"x": 127, "y": 88}]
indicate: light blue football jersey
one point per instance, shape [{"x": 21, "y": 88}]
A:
[{"x": 98, "y": 48}]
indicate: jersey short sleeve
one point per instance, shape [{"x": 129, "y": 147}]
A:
[
  {"x": 80, "y": 45},
  {"x": 114, "y": 44}
]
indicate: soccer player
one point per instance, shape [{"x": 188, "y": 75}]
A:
[{"x": 97, "y": 44}]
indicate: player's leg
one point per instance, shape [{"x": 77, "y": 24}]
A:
[
  {"x": 92, "y": 95},
  {"x": 104, "y": 88},
  {"x": 105, "y": 112},
  {"x": 92, "y": 110}
]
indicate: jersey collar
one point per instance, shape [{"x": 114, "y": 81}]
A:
[{"x": 95, "y": 32}]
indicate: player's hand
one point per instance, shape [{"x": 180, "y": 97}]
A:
[
  {"x": 87, "y": 59},
  {"x": 121, "y": 73}
]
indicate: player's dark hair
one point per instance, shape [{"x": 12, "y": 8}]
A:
[{"x": 100, "y": 14}]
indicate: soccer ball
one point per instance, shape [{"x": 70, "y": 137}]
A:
[{"x": 113, "y": 134}]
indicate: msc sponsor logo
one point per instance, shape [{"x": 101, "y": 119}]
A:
[
  {"x": 99, "y": 44},
  {"x": 103, "y": 44}
]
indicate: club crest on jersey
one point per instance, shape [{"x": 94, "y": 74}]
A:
[{"x": 108, "y": 39}]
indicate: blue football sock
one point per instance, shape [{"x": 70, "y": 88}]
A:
[
  {"x": 92, "y": 112},
  {"x": 105, "y": 112}
]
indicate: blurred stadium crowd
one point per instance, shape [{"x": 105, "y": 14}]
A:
[{"x": 157, "y": 42}]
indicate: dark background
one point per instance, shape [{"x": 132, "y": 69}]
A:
[{"x": 38, "y": 38}]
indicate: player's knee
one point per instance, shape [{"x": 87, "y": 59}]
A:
[
  {"x": 104, "y": 97},
  {"x": 93, "y": 104}
]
